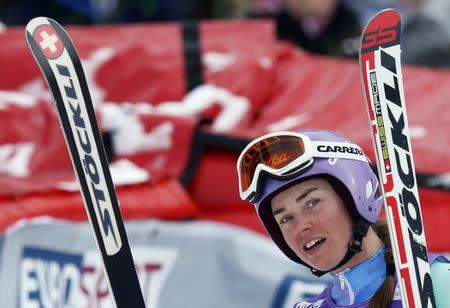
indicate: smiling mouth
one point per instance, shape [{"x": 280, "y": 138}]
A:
[{"x": 313, "y": 243}]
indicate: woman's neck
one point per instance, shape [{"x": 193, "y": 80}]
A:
[
  {"x": 371, "y": 244},
  {"x": 357, "y": 284}
]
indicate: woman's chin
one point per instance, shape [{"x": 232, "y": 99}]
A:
[{"x": 324, "y": 266}]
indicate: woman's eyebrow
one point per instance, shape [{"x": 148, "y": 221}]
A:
[
  {"x": 305, "y": 194},
  {"x": 299, "y": 199},
  {"x": 278, "y": 211}
]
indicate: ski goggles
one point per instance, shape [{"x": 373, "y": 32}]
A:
[{"x": 285, "y": 154}]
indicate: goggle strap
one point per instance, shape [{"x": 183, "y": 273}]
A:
[{"x": 346, "y": 150}]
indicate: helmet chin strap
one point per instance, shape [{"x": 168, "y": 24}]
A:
[{"x": 354, "y": 246}]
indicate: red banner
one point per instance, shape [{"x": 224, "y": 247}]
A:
[{"x": 253, "y": 84}]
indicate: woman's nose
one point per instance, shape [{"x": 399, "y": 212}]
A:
[{"x": 303, "y": 224}]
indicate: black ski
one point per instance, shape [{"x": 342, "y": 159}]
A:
[{"x": 58, "y": 60}]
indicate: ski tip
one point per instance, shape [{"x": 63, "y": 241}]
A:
[
  {"x": 382, "y": 31},
  {"x": 389, "y": 11},
  {"x": 43, "y": 33},
  {"x": 386, "y": 17},
  {"x": 36, "y": 22}
]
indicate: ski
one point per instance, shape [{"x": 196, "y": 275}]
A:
[
  {"x": 58, "y": 60},
  {"x": 380, "y": 65}
]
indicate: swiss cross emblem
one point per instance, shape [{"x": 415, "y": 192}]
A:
[{"x": 49, "y": 41}]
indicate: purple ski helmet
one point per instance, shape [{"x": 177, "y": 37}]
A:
[{"x": 357, "y": 184}]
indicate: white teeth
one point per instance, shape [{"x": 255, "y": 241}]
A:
[{"x": 312, "y": 243}]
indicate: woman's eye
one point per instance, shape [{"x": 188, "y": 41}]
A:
[
  {"x": 285, "y": 219},
  {"x": 312, "y": 202}
]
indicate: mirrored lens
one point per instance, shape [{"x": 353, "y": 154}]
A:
[{"x": 275, "y": 152}]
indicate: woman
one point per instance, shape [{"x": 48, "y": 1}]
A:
[{"x": 320, "y": 201}]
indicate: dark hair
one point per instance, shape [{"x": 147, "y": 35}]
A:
[{"x": 385, "y": 293}]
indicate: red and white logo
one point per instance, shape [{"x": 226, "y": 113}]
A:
[{"x": 49, "y": 41}]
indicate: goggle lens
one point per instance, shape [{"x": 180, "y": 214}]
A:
[{"x": 274, "y": 152}]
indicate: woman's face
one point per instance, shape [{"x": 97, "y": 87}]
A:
[{"x": 314, "y": 222}]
